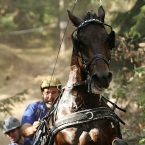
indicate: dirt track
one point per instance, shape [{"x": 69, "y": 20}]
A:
[{"x": 24, "y": 69}]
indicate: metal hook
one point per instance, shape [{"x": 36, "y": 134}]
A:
[{"x": 91, "y": 115}]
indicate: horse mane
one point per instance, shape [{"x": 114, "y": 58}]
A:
[{"x": 90, "y": 15}]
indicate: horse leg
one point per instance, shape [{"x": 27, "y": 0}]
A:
[
  {"x": 119, "y": 142},
  {"x": 92, "y": 137},
  {"x": 84, "y": 138}
]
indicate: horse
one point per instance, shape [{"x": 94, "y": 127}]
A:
[{"x": 80, "y": 115}]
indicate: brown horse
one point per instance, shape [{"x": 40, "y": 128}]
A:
[{"x": 80, "y": 116}]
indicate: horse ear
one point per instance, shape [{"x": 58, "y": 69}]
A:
[
  {"x": 101, "y": 13},
  {"x": 76, "y": 21}
]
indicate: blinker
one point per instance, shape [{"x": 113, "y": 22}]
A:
[{"x": 111, "y": 35}]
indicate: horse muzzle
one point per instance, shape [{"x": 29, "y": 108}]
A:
[{"x": 100, "y": 82}]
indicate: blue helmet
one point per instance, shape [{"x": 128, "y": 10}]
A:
[{"x": 10, "y": 123}]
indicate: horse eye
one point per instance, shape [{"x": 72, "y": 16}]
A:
[{"x": 82, "y": 44}]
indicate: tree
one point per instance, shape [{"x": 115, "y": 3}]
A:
[
  {"x": 45, "y": 14},
  {"x": 131, "y": 23},
  {"x": 129, "y": 56},
  {"x": 6, "y": 105}
]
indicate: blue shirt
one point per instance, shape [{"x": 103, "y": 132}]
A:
[
  {"x": 12, "y": 143},
  {"x": 32, "y": 113}
]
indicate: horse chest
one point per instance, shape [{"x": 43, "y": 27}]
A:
[{"x": 84, "y": 134}]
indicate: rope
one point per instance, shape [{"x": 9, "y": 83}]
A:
[
  {"x": 61, "y": 42},
  {"x": 19, "y": 32},
  {"x": 59, "y": 51},
  {"x": 100, "y": 2}
]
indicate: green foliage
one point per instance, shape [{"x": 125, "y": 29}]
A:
[
  {"x": 142, "y": 140},
  {"x": 7, "y": 23},
  {"x": 131, "y": 23},
  {"x": 135, "y": 91},
  {"x": 24, "y": 15},
  {"x": 139, "y": 19},
  {"x": 35, "y": 13},
  {"x": 139, "y": 93},
  {"x": 29, "y": 14},
  {"x": 7, "y": 105}
]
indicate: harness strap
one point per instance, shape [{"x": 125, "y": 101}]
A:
[
  {"x": 85, "y": 116},
  {"x": 116, "y": 138},
  {"x": 114, "y": 104},
  {"x": 96, "y": 58}
]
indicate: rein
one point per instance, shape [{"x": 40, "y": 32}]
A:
[{"x": 62, "y": 40}]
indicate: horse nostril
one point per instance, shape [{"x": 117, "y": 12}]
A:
[
  {"x": 102, "y": 79},
  {"x": 95, "y": 78}
]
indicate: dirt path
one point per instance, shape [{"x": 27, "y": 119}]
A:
[{"x": 24, "y": 69}]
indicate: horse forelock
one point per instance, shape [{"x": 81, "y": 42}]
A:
[{"x": 90, "y": 15}]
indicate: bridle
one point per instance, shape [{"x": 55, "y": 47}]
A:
[{"x": 78, "y": 53}]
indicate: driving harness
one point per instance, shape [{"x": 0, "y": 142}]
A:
[{"x": 45, "y": 135}]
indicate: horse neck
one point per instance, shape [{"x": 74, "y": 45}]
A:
[
  {"x": 70, "y": 99},
  {"x": 90, "y": 100},
  {"x": 76, "y": 97}
]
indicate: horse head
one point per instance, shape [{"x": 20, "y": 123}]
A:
[{"x": 92, "y": 46}]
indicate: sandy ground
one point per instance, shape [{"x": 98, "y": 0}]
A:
[{"x": 23, "y": 69}]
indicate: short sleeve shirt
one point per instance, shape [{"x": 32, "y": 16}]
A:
[{"x": 32, "y": 113}]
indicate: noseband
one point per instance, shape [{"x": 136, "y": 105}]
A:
[{"x": 97, "y": 57}]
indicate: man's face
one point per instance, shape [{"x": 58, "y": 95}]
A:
[
  {"x": 13, "y": 135},
  {"x": 49, "y": 95}
]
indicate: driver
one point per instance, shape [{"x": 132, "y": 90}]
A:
[{"x": 36, "y": 111}]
